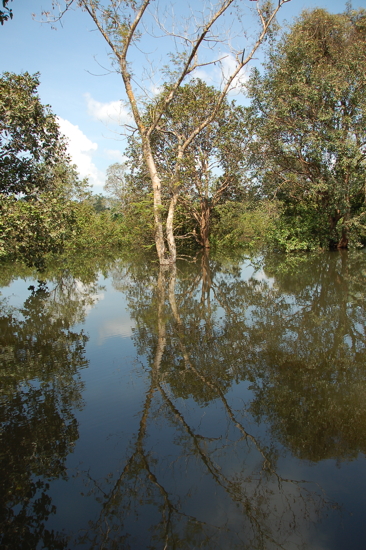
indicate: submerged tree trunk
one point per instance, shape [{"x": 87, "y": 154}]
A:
[
  {"x": 333, "y": 237},
  {"x": 170, "y": 228},
  {"x": 203, "y": 218},
  {"x": 336, "y": 241},
  {"x": 205, "y": 223},
  {"x": 164, "y": 259},
  {"x": 343, "y": 242}
]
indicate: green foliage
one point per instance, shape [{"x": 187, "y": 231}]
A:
[
  {"x": 139, "y": 223},
  {"x": 243, "y": 224},
  {"x": 38, "y": 185},
  {"x": 298, "y": 229},
  {"x": 99, "y": 202},
  {"x": 31, "y": 146},
  {"x": 309, "y": 117},
  {"x": 96, "y": 230},
  {"x": 30, "y": 229},
  {"x": 92, "y": 230},
  {"x": 205, "y": 171}
]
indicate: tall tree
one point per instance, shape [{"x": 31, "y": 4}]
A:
[
  {"x": 309, "y": 117},
  {"x": 123, "y": 24},
  {"x": 210, "y": 170},
  {"x": 115, "y": 184}
]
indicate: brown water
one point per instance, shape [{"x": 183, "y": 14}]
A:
[{"x": 218, "y": 406}]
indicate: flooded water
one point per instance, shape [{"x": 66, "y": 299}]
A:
[{"x": 221, "y": 405}]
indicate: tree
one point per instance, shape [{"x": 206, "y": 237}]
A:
[
  {"x": 37, "y": 180},
  {"x": 7, "y": 13},
  {"x": 131, "y": 202},
  {"x": 212, "y": 166},
  {"x": 126, "y": 186},
  {"x": 123, "y": 24},
  {"x": 31, "y": 145},
  {"x": 115, "y": 184},
  {"x": 309, "y": 118}
]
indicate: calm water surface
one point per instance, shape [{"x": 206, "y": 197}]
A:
[{"x": 221, "y": 405}]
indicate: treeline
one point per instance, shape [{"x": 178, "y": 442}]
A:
[{"x": 288, "y": 172}]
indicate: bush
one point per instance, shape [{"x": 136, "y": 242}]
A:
[
  {"x": 32, "y": 228},
  {"x": 110, "y": 229},
  {"x": 243, "y": 225}
]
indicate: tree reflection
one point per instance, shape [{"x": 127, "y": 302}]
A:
[
  {"x": 202, "y": 472},
  {"x": 40, "y": 391},
  {"x": 313, "y": 372}
]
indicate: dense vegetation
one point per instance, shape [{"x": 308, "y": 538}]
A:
[
  {"x": 309, "y": 117},
  {"x": 45, "y": 208},
  {"x": 287, "y": 172}
]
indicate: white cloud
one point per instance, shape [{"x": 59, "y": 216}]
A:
[
  {"x": 204, "y": 75},
  {"x": 228, "y": 66},
  {"x": 155, "y": 89},
  {"x": 81, "y": 150},
  {"x": 113, "y": 112}
]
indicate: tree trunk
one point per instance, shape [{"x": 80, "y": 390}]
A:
[
  {"x": 204, "y": 222},
  {"x": 343, "y": 242},
  {"x": 169, "y": 229},
  {"x": 335, "y": 241},
  {"x": 333, "y": 220},
  {"x": 159, "y": 230}
]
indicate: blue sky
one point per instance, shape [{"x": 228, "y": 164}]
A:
[{"x": 76, "y": 77}]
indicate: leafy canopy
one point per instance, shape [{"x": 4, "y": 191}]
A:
[
  {"x": 37, "y": 181},
  {"x": 31, "y": 145},
  {"x": 202, "y": 171},
  {"x": 309, "y": 118}
]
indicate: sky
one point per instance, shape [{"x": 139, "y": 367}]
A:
[{"x": 80, "y": 84}]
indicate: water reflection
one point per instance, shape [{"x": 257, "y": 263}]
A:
[
  {"x": 41, "y": 355},
  {"x": 245, "y": 379},
  {"x": 312, "y": 369},
  {"x": 200, "y": 473}
]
